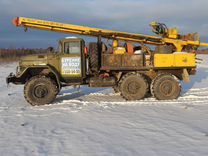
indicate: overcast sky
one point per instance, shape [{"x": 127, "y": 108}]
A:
[{"x": 122, "y": 15}]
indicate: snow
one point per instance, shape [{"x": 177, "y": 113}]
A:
[{"x": 97, "y": 121}]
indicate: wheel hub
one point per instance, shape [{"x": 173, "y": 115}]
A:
[
  {"x": 166, "y": 88},
  {"x": 133, "y": 87},
  {"x": 40, "y": 91}
]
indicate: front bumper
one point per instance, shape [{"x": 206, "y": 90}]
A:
[{"x": 12, "y": 79}]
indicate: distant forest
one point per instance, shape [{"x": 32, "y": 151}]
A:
[
  {"x": 15, "y": 54},
  {"x": 205, "y": 51}
]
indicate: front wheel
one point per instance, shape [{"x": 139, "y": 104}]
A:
[
  {"x": 40, "y": 90},
  {"x": 116, "y": 89}
]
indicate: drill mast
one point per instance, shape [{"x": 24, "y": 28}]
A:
[{"x": 173, "y": 37}]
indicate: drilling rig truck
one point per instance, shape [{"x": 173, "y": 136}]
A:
[{"x": 128, "y": 64}]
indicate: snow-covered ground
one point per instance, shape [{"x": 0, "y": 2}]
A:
[{"x": 98, "y": 122}]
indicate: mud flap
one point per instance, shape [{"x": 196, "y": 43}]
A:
[{"x": 185, "y": 76}]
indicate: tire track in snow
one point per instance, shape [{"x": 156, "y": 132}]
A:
[{"x": 195, "y": 96}]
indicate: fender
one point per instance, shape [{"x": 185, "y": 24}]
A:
[{"x": 22, "y": 77}]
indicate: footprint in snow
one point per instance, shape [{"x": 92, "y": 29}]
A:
[
  {"x": 10, "y": 94},
  {"x": 25, "y": 124}
]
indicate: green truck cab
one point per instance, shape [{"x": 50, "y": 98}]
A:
[{"x": 45, "y": 74}]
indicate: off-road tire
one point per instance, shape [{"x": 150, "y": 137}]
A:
[
  {"x": 116, "y": 89},
  {"x": 133, "y": 86},
  {"x": 166, "y": 87},
  {"x": 58, "y": 90},
  {"x": 40, "y": 91},
  {"x": 93, "y": 56}
]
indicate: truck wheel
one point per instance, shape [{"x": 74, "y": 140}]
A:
[
  {"x": 149, "y": 81},
  {"x": 93, "y": 56},
  {"x": 133, "y": 86},
  {"x": 40, "y": 90},
  {"x": 116, "y": 89},
  {"x": 166, "y": 87},
  {"x": 58, "y": 89}
]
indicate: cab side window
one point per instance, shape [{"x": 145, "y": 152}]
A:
[{"x": 72, "y": 47}]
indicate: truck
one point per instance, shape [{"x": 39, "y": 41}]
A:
[{"x": 134, "y": 65}]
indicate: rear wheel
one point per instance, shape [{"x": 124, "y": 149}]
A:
[
  {"x": 166, "y": 87},
  {"x": 40, "y": 91},
  {"x": 133, "y": 86}
]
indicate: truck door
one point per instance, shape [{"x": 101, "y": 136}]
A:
[{"x": 72, "y": 61}]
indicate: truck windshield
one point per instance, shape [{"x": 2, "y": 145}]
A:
[{"x": 72, "y": 47}]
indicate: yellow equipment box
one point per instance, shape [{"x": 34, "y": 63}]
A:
[
  {"x": 174, "y": 60},
  {"x": 119, "y": 50}
]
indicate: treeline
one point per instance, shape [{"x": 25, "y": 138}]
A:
[
  {"x": 15, "y": 54},
  {"x": 204, "y": 51}
]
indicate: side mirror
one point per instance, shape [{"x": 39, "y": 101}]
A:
[{"x": 50, "y": 50}]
